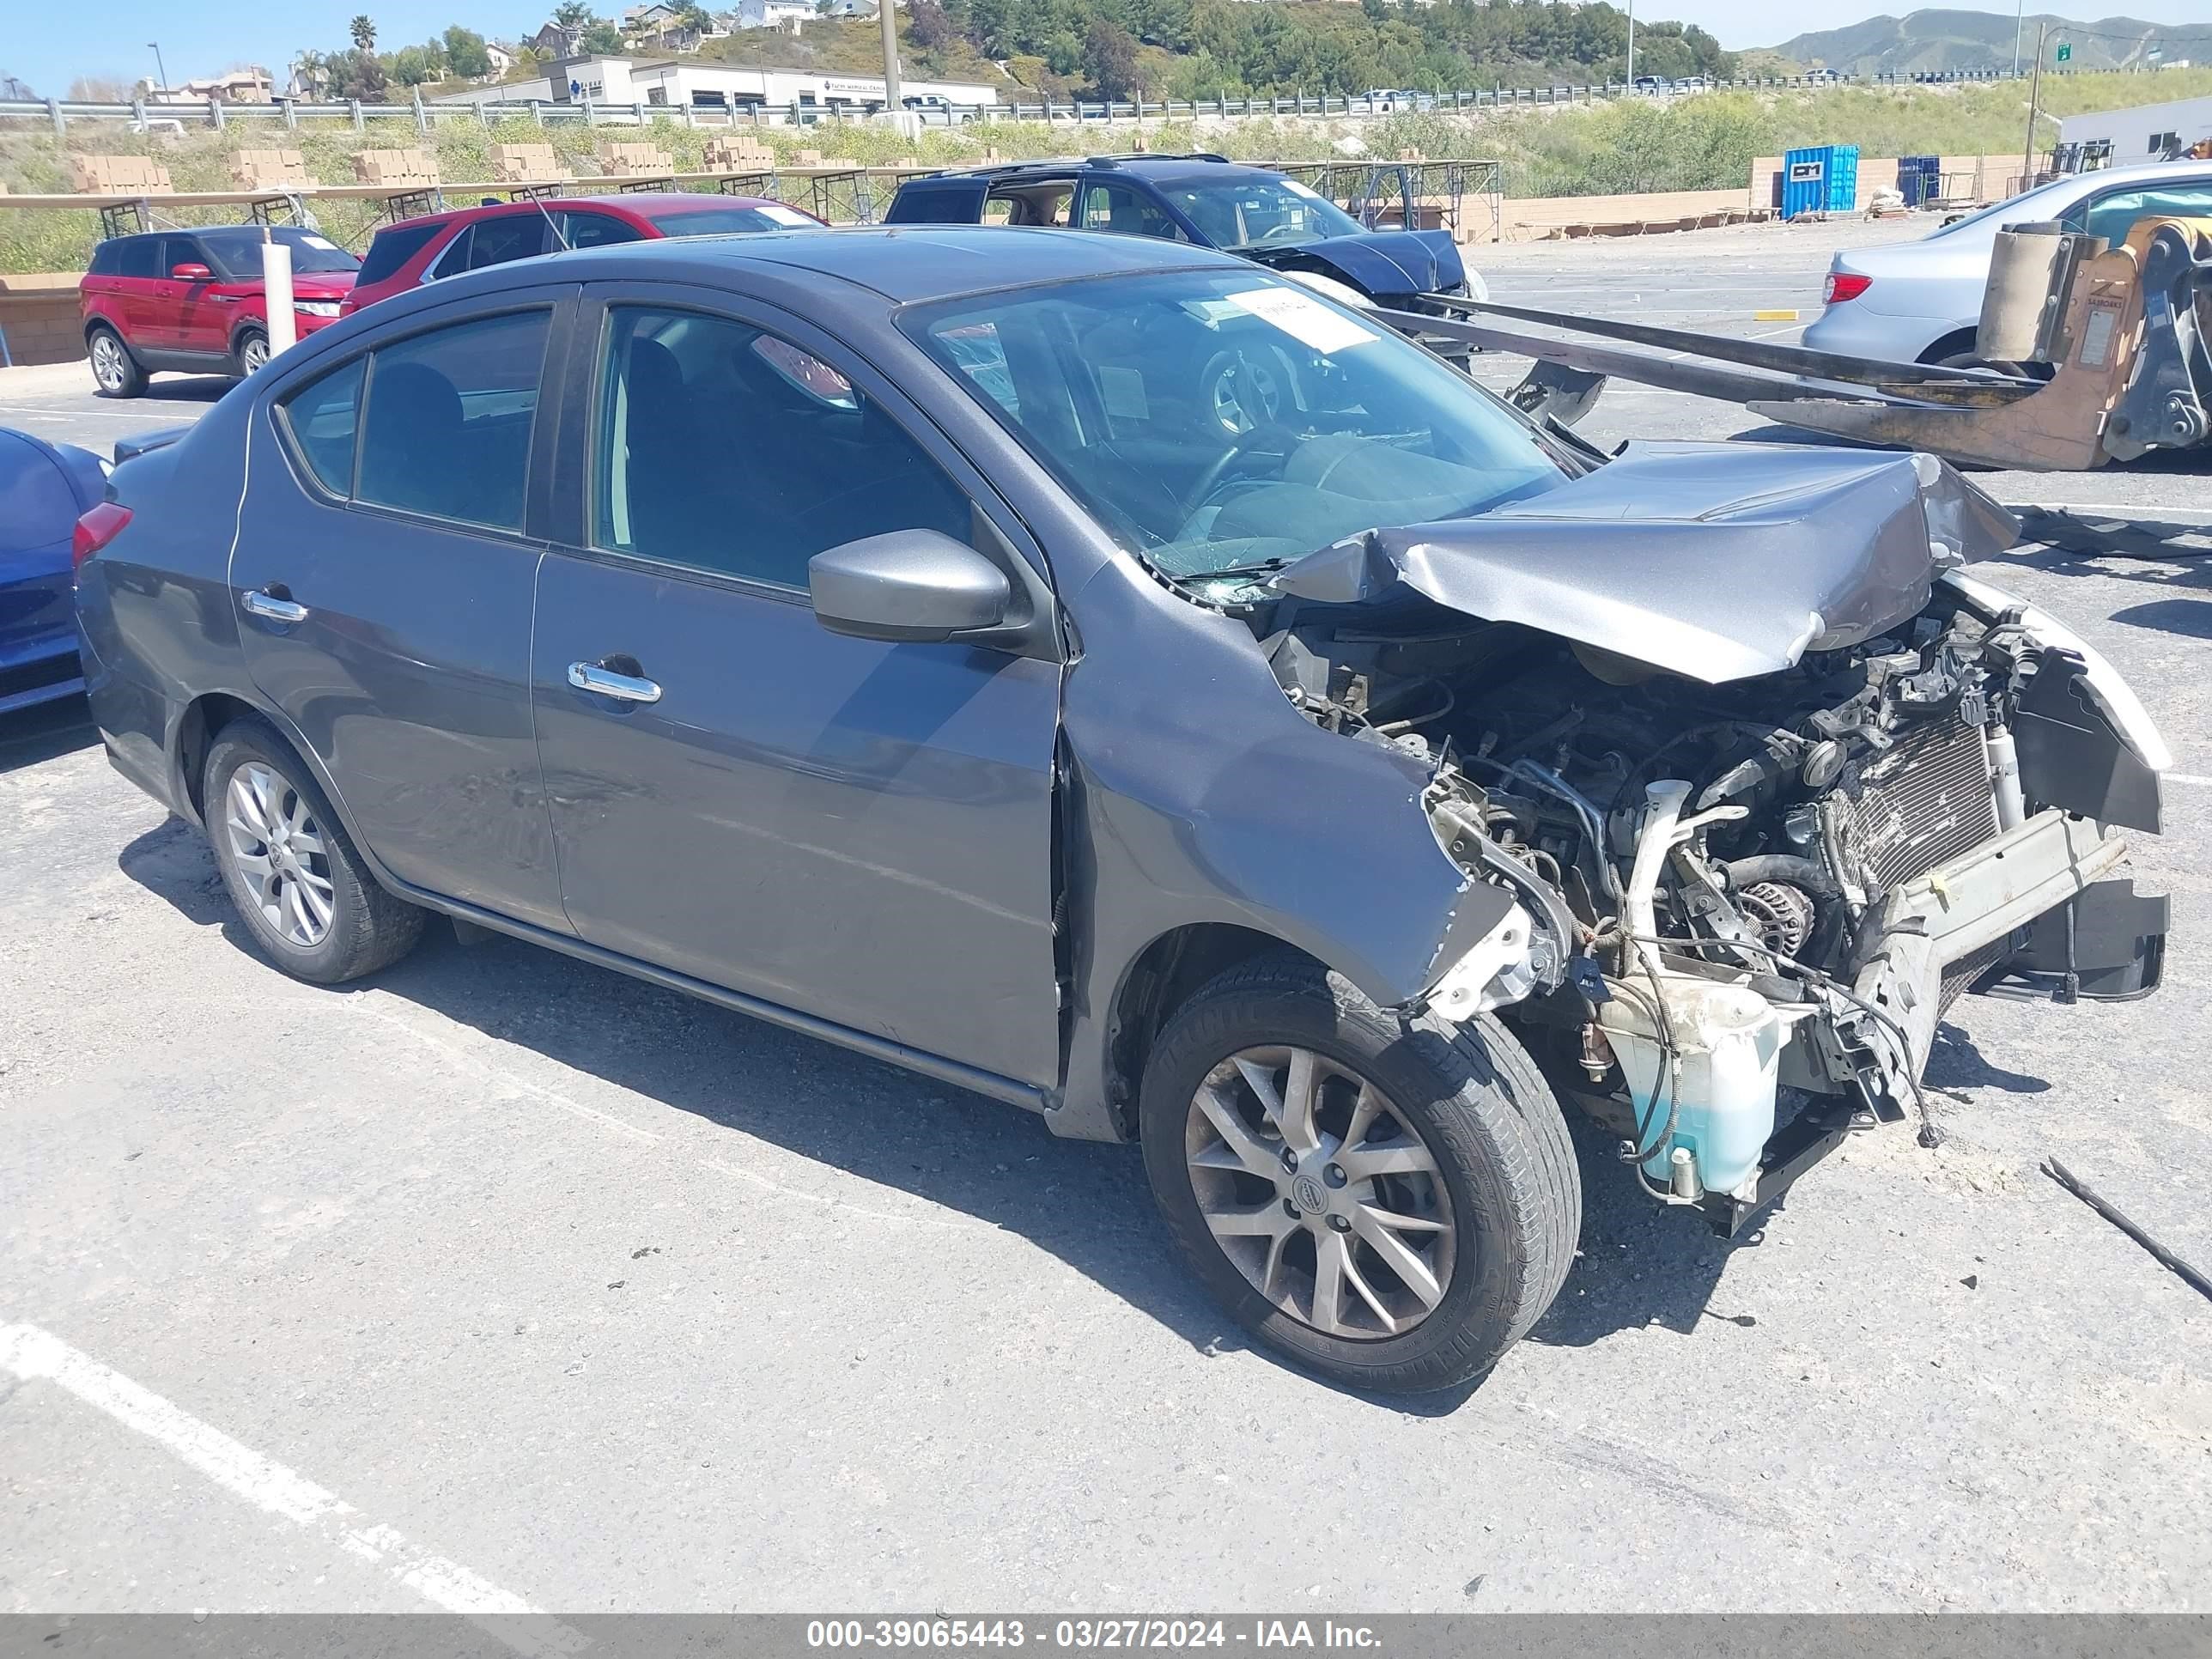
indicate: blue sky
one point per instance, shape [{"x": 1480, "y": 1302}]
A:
[{"x": 47, "y": 44}]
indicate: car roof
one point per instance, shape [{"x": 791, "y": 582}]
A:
[
  {"x": 904, "y": 263},
  {"x": 1159, "y": 170},
  {"x": 644, "y": 204},
  {"x": 2140, "y": 171}
]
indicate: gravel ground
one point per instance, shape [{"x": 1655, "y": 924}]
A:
[{"x": 504, "y": 1281}]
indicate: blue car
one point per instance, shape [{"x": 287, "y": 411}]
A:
[
  {"x": 1204, "y": 200},
  {"x": 43, "y": 489}
]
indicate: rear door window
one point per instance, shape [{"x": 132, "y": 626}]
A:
[
  {"x": 439, "y": 423},
  {"x": 139, "y": 257},
  {"x": 322, "y": 417},
  {"x": 446, "y": 431}
]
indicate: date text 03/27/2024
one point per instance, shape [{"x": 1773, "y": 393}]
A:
[{"x": 1088, "y": 1635}]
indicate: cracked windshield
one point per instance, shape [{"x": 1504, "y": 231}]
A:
[{"x": 1226, "y": 423}]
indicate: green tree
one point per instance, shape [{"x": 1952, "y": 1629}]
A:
[
  {"x": 355, "y": 73},
  {"x": 364, "y": 31},
  {"x": 602, "y": 37},
  {"x": 1109, "y": 58},
  {"x": 416, "y": 66},
  {"x": 927, "y": 26},
  {"x": 573, "y": 15},
  {"x": 465, "y": 54}
]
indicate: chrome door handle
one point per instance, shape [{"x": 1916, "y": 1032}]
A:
[
  {"x": 625, "y": 688},
  {"x": 275, "y": 609}
]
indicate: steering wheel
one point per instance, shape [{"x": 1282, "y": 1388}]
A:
[{"x": 1201, "y": 493}]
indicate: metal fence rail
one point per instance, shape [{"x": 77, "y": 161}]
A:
[{"x": 58, "y": 112}]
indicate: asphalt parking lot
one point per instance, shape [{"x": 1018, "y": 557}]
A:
[{"x": 504, "y": 1282}]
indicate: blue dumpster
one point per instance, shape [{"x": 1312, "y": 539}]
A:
[
  {"x": 1919, "y": 179},
  {"x": 1825, "y": 180}
]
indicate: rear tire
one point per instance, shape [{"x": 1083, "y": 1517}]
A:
[
  {"x": 1473, "y": 1168},
  {"x": 301, "y": 890},
  {"x": 114, "y": 370}
]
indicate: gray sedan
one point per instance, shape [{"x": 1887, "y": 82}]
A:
[{"x": 1099, "y": 673}]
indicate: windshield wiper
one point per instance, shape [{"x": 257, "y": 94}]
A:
[{"x": 1257, "y": 568}]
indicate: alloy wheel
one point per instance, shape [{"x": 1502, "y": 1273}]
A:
[
  {"x": 281, "y": 855},
  {"x": 254, "y": 354},
  {"x": 108, "y": 366},
  {"x": 1320, "y": 1193}
]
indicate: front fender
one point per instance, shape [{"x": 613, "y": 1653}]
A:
[{"x": 1199, "y": 794}]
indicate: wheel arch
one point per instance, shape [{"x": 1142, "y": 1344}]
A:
[
  {"x": 1947, "y": 344},
  {"x": 205, "y": 716},
  {"x": 1155, "y": 982}
]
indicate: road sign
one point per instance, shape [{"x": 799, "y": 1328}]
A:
[{"x": 2065, "y": 52}]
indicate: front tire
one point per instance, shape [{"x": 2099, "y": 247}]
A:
[
  {"x": 302, "y": 891},
  {"x": 114, "y": 370},
  {"x": 1387, "y": 1202},
  {"x": 250, "y": 352}
]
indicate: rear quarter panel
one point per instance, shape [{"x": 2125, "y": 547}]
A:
[{"x": 154, "y": 611}]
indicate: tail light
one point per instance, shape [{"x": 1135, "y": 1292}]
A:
[
  {"x": 96, "y": 530},
  {"x": 1844, "y": 285}
]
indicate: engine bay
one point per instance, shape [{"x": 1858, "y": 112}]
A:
[{"x": 1709, "y": 870}]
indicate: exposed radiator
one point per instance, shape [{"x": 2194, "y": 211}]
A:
[{"x": 1924, "y": 801}]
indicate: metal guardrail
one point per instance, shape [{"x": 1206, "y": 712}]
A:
[{"x": 292, "y": 113}]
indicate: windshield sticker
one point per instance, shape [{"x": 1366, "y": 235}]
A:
[
  {"x": 1303, "y": 318},
  {"x": 784, "y": 215},
  {"x": 1297, "y": 189},
  {"x": 322, "y": 242}
]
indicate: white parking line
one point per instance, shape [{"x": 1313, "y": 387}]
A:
[
  {"x": 28, "y": 1353},
  {"x": 144, "y": 417},
  {"x": 2187, "y": 777}
]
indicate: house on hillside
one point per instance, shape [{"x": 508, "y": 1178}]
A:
[
  {"x": 787, "y": 14},
  {"x": 502, "y": 59},
  {"x": 659, "y": 22},
  {"x": 250, "y": 84},
  {"x": 553, "y": 41}
]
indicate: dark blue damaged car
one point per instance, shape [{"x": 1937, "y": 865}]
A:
[
  {"x": 1206, "y": 201},
  {"x": 1116, "y": 679}
]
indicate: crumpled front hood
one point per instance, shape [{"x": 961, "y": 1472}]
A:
[
  {"x": 1380, "y": 263},
  {"x": 1719, "y": 561}
]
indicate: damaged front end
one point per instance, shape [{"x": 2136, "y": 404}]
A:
[{"x": 1770, "y": 783}]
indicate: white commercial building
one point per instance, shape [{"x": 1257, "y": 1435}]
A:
[
  {"x": 714, "y": 87},
  {"x": 2146, "y": 133}
]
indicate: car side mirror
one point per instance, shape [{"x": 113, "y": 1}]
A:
[
  {"x": 190, "y": 273},
  {"x": 907, "y": 585}
]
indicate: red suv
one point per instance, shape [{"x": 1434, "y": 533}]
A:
[
  {"x": 417, "y": 251},
  {"x": 192, "y": 300}
]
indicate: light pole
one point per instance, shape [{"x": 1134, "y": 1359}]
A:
[
  {"x": 1631, "y": 77},
  {"x": 2034, "y": 92},
  {"x": 160, "y": 68},
  {"x": 892, "y": 104},
  {"x": 2019, "y": 20}
]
